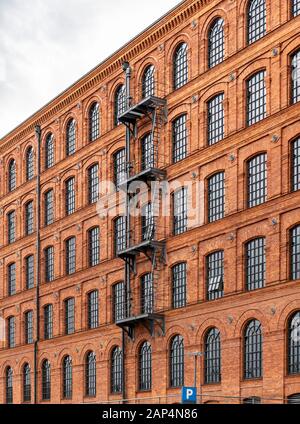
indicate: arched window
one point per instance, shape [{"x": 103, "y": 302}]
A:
[
  {"x": 145, "y": 367},
  {"x": 295, "y": 252},
  {"x": 29, "y": 164},
  {"x": 180, "y": 66},
  {"x": 257, "y": 14},
  {"x": 295, "y": 7},
  {"x": 90, "y": 375},
  {"x": 26, "y": 383},
  {"x": 256, "y": 98},
  {"x": 49, "y": 151},
  {"x": 215, "y": 119},
  {"x": 9, "y": 385},
  {"x": 213, "y": 356},
  {"x": 253, "y": 350},
  {"x": 67, "y": 378},
  {"x": 177, "y": 362},
  {"x": 120, "y": 103},
  {"x": 46, "y": 380},
  {"x": 12, "y": 177},
  {"x": 71, "y": 138},
  {"x": 94, "y": 122},
  {"x": 148, "y": 82},
  {"x": 294, "y": 344},
  {"x": 116, "y": 370},
  {"x": 295, "y": 77},
  {"x": 216, "y": 43},
  {"x": 179, "y": 138}
]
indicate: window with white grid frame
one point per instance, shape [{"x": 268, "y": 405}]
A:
[
  {"x": 212, "y": 358},
  {"x": 11, "y": 224},
  {"x": 215, "y": 112},
  {"x": 70, "y": 196},
  {"x": 12, "y": 175},
  {"x": 94, "y": 246},
  {"x": 147, "y": 152},
  {"x": 148, "y": 222},
  {"x": 49, "y": 207},
  {"x": 93, "y": 183},
  {"x": 295, "y": 252},
  {"x": 69, "y": 316},
  {"x": 257, "y": 20},
  {"x": 256, "y": 98},
  {"x": 90, "y": 375},
  {"x": 29, "y": 327},
  {"x": 48, "y": 322},
  {"x": 9, "y": 385},
  {"x": 179, "y": 282},
  {"x": 180, "y": 66},
  {"x": 177, "y": 362},
  {"x": 147, "y": 294},
  {"x": 11, "y": 328},
  {"x": 215, "y": 275},
  {"x": 71, "y": 138},
  {"x": 120, "y": 103},
  {"x": 93, "y": 309},
  {"x": 180, "y": 211},
  {"x": 94, "y": 122},
  {"x": 295, "y": 7},
  {"x": 11, "y": 279},
  {"x": 145, "y": 367},
  {"x": 29, "y": 272},
  {"x": 257, "y": 180},
  {"x": 29, "y": 218},
  {"x": 296, "y": 165},
  {"x": 295, "y": 77},
  {"x": 253, "y": 350},
  {"x": 148, "y": 82},
  {"x": 71, "y": 256},
  {"x": 294, "y": 344},
  {"x": 67, "y": 378},
  {"x": 216, "y": 197},
  {"x": 49, "y": 264},
  {"x": 120, "y": 171},
  {"x": 180, "y": 138},
  {"x": 120, "y": 234},
  {"x": 29, "y": 164},
  {"x": 255, "y": 264},
  {"x": 49, "y": 151},
  {"x": 119, "y": 305},
  {"x": 116, "y": 370},
  {"x": 216, "y": 48}
]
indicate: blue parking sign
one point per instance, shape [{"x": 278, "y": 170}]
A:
[{"x": 189, "y": 395}]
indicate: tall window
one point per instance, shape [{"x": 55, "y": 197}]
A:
[
  {"x": 294, "y": 344},
  {"x": 94, "y": 246},
  {"x": 9, "y": 385},
  {"x": 257, "y": 15},
  {"x": 67, "y": 378},
  {"x": 120, "y": 234},
  {"x": 148, "y": 160},
  {"x": 295, "y": 253},
  {"x": 71, "y": 138},
  {"x": 216, "y": 197},
  {"x": 216, "y": 43},
  {"x": 93, "y": 309},
  {"x": 28, "y": 327},
  {"x": 253, "y": 350},
  {"x": 94, "y": 122},
  {"x": 11, "y": 279},
  {"x": 11, "y": 227},
  {"x": 147, "y": 295},
  {"x": 148, "y": 82},
  {"x": 49, "y": 207},
  {"x": 69, "y": 315},
  {"x": 116, "y": 370},
  {"x": 12, "y": 175},
  {"x": 256, "y": 98},
  {"x": 29, "y": 164},
  {"x": 295, "y": 7},
  {"x": 177, "y": 362},
  {"x": 29, "y": 272},
  {"x": 119, "y": 307},
  {"x": 49, "y": 264},
  {"x": 257, "y": 180},
  {"x": 90, "y": 375},
  {"x": 212, "y": 356},
  {"x": 120, "y": 173},
  {"x": 145, "y": 367},
  {"x": 215, "y": 275},
  {"x": 295, "y": 77},
  {"x": 296, "y": 165},
  {"x": 120, "y": 103},
  {"x": 46, "y": 380},
  {"x": 93, "y": 183},
  {"x": 180, "y": 66},
  {"x": 179, "y": 285},
  {"x": 179, "y": 133},
  {"x": 70, "y": 196},
  {"x": 180, "y": 211},
  {"x": 71, "y": 256},
  {"x": 49, "y": 151},
  {"x": 255, "y": 264},
  {"x": 29, "y": 224},
  {"x": 148, "y": 222},
  {"x": 215, "y": 115},
  {"x": 48, "y": 322},
  {"x": 11, "y": 332},
  {"x": 26, "y": 383}
]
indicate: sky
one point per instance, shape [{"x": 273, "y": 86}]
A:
[{"x": 46, "y": 45}]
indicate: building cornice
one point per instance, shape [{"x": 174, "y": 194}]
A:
[{"x": 94, "y": 78}]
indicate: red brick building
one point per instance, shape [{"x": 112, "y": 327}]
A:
[{"x": 95, "y": 311}]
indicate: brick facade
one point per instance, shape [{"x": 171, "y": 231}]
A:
[{"x": 272, "y": 306}]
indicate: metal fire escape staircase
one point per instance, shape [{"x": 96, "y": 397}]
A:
[{"x": 151, "y": 244}]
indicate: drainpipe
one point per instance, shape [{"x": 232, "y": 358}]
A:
[{"x": 37, "y": 273}]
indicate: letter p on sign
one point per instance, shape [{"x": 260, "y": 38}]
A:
[{"x": 189, "y": 395}]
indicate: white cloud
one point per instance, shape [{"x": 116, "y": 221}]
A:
[{"x": 46, "y": 45}]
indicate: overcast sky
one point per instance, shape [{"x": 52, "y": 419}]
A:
[{"x": 46, "y": 45}]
